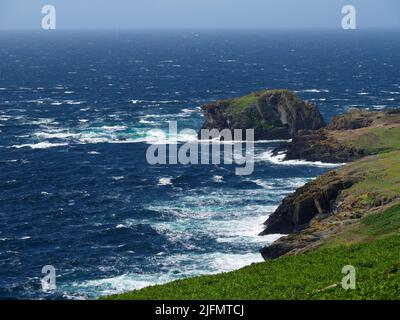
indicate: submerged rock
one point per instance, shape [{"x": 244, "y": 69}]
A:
[{"x": 273, "y": 114}]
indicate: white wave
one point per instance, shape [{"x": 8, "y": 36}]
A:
[
  {"x": 73, "y": 102},
  {"x": 56, "y": 135},
  {"x": 315, "y": 90},
  {"x": 165, "y": 181},
  {"x": 186, "y": 110},
  {"x": 114, "y": 128},
  {"x": 178, "y": 265},
  {"x": 363, "y": 93},
  {"x": 379, "y": 107},
  {"x": 94, "y": 152},
  {"x": 280, "y": 159},
  {"x": 263, "y": 184},
  {"x": 45, "y": 121},
  {"x": 117, "y": 178},
  {"x": 218, "y": 179},
  {"x": 146, "y": 121},
  {"x": 244, "y": 230},
  {"x": 40, "y": 145}
]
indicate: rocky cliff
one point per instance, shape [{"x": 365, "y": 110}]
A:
[
  {"x": 341, "y": 197},
  {"x": 347, "y": 138},
  {"x": 273, "y": 114}
]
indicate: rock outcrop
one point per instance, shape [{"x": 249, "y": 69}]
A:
[
  {"x": 338, "y": 142},
  {"x": 319, "y": 145},
  {"x": 273, "y": 114},
  {"x": 315, "y": 199}
]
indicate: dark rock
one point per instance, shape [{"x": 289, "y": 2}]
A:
[
  {"x": 318, "y": 146},
  {"x": 273, "y": 114},
  {"x": 354, "y": 119},
  {"x": 315, "y": 198},
  {"x": 277, "y": 249}
]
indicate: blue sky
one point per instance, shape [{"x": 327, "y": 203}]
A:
[{"x": 198, "y": 14}]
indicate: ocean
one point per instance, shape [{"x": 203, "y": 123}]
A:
[{"x": 76, "y": 191}]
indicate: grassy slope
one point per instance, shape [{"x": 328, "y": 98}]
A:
[
  {"x": 381, "y": 183},
  {"x": 377, "y": 140},
  {"x": 306, "y": 276}
]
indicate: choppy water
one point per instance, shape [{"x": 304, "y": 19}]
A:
[{"x": 76, "y": 191}]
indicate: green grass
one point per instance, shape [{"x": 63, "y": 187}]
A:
[
  {"x": 239, "y": 104},
  {"x": 313, "y": 275},
  {"x": 380, "y": 184},
  {"x": 378, "y": 140},
  {"x": 383, "y": 224},
  {"x": 380, "y": 225}
]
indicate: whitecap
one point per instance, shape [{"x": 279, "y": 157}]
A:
[
  {"x": 218, "y": 179},
  {"x": 315, "y": 90},
  {"x": 73, "y": 102},
  {"x": 56, "y": 135},
  {"x": 40, "y": 145},
  {"x": 280, "y": 160},
  {"x": 165, "y": 181},
  {"x": 113, "y": 128}
]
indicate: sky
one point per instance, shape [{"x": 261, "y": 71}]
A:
[{"x": 198, "y": 14}]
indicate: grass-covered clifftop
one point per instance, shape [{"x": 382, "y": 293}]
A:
[{"x": 313, "y": 275}]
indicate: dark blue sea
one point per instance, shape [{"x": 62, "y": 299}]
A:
[{"x": 76, "y": 191}]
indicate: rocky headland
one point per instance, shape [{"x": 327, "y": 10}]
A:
[{"x": 319, "y": 211}]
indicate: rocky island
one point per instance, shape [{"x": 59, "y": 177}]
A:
[{"x": 273, "y": 114}]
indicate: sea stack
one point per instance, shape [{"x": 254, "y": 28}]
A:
[{"x": 273, "y": 114}]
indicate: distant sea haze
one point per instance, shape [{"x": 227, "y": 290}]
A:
[{"x": 76, "y": 191}]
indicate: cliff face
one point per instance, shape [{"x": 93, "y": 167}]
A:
[
  {"x": 273, "y": 114},
  {"x": 317, "y": 198},
  {"x": 348, "y": 137}
]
